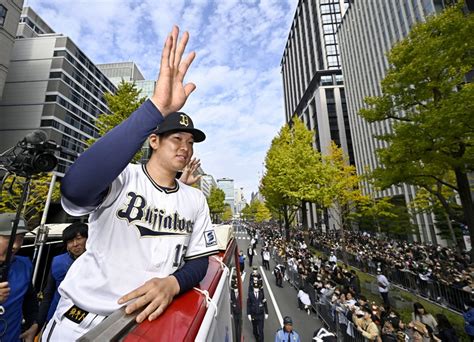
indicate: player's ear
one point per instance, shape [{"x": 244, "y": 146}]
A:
[{"x": 154, "y": 141}]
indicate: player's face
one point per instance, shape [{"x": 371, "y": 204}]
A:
[
  {"x": 4, "y": 245},
  {"x": 175, "y": 149},
  {"x": 77, "y": 246}
]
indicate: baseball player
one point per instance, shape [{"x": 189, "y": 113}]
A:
[{"x": 150, "y": 235}]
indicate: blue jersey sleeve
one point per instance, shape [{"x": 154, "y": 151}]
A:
[
  {"x": 87, "y": 180},
  {"x": 192, "y": 272}
]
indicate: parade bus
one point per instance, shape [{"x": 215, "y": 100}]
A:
[{"x": 201, "y": 314}]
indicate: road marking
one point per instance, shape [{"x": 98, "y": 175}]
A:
[{"x": 270, "y": 292}]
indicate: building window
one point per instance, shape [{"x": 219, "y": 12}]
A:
[
  {"x": 326, "y": 80},
  {"x": 331, "y": 50},
  {"x": 3, "y": 14}
]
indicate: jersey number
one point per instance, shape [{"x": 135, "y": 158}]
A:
[{"x": 180, "y": 251}]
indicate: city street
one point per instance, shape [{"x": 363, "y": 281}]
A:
[{"x": 281, "y": 301}]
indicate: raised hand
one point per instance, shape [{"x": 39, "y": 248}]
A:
[
  {"x": 188, "y": 177},
  {"x": 170, "y": 93}
]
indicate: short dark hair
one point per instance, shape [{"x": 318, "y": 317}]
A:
[{"x": 72, "y": 230}]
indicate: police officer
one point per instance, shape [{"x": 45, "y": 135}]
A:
[
  {"x": 257, "y": 310},
  {"x": 17, "y": 296},
  {"x": 251, "y": 251},
  {"x": 286, "y": 333},
  {"x": 279, "y": 272},
  {"x": 74, "y": 237},
  {"x": 236, "y": 306},
  {"x": 254, "y": 276}
]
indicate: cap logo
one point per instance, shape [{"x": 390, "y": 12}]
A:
[{"x": 184, "y": 120}]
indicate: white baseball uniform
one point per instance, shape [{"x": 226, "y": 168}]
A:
[{"x": 139, "y": 231}]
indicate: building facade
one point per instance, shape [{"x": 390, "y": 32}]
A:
[
  {"x": 52, "y": 85},
  {"x": 116, "y": 72},
  {"x": 368, "y": 31},
  {"x": 10, "y": 11},
  {"x": 129, "y": 72},
  {"x": 207, "y": 182},
  {"x": 227, "y": 185},
  {"x": 239, "y": 200},
  {"x": 313, "y": 84}
]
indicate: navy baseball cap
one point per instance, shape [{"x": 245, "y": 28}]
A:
[
  {"x": 180, "y": 122},
  {"x": 6, "y": 224}
]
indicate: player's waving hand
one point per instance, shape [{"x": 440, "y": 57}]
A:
[{"x": 170, "y": 93}]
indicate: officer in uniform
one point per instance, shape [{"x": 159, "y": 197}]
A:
[
  {"x": 279, "y": 272},
  {"x": 236, "y": 306},
  {"x": 286, "y": 333},
  {"x": 254, "y": 276},
  {"x": 250, "y": 253},
  {"x": 257, "y": 310}
]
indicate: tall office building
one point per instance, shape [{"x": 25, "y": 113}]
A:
[
  {"x": 313, "y": 84},
  {"x": 227, "y": 185},
  {"x": 207, "y": 182},
  {"x": 52, "y": 85},
  {"x": 10, "y": 11},
  {"x": 129, "y": 72},
  {"x": 239, "y": 200},
  {"x": 116, "y": 72},
  {"x": 368, "y": 31}
]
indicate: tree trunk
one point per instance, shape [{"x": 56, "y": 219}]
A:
[
  {"x": 305, "y": 222},
  {"x": 343, "y": 242},
  {"x": 451, "y": 231},
  {"x": 464, "y": 191},
  {"x": 448, "y": 211},
  {"x": 287, "y": 223}
]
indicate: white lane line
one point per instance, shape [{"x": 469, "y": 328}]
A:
[{"x": 270, "y": 292}]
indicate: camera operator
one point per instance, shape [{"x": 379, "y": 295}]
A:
[{"x": 17, "y": 297}]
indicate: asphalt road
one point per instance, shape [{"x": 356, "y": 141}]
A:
[{"x": 284, "y": 298}]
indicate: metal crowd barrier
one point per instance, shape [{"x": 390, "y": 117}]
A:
[
  {"x": 335, "y": 320},
  {"x": 444, "y": 294},
  {"x": 325, "y": 311}
]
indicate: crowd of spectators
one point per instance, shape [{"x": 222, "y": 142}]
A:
[
  {"x": 338, "y": 288},
  {"x": 429, "y": 262}
]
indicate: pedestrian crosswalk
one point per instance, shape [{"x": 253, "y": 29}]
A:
[{"x": 242, "y": 236}]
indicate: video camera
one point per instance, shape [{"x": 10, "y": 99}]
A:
[{"x": 32, "y": 155}]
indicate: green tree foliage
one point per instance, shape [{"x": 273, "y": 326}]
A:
[
  {"x": 36, "y": 200},
  {"x": 249, "y": 211},
  {"x": 121, "y": 104},
  {"x": 341, "y": 190},
  {"x": 293, "y": 172},
  {"x": 216, "y": 203},
  {"x": 431, "y": 106},
  {"x": 262, "y": 213},
  {"x": 246, "y": 213},
  {"x": 442, "y": 203},
  {"x": 373, "y": 213},
  {"x": 227, "y": 214}
]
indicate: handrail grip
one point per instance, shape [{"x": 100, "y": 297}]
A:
[{"x": 112, "y": 328}]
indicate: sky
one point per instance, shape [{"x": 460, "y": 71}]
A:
[{"x": 238, "y": 102}]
